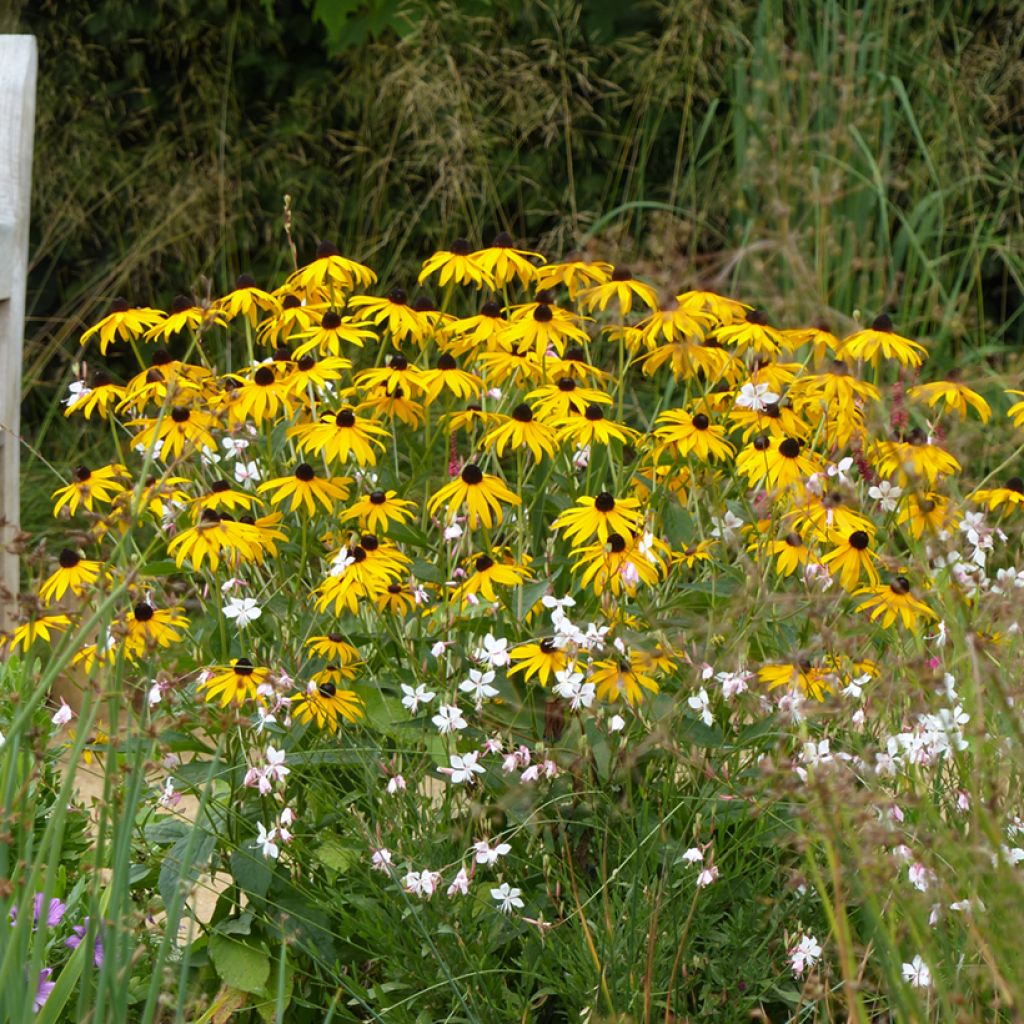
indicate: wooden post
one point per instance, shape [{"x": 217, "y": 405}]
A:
[{"x": 17, "y": 122}]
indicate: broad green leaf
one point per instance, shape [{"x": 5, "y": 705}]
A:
[{"x": 239, "y": 964}]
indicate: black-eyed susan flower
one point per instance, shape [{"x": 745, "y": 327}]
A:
[
  {"x": 472, "y": 418},
  {"x": 543, "y": 329},
  {"x": 384, "y": 557},
  {"x": 694, "y": 554},
  {"x": 394, "y": 314},
  {"x": 247, "y": 300},
  {"x": 915, "y": 456},
  {"x": 312, "y": 375},
  {"x": 353, "y": 578},
  {"x": 146, "y": 627},
  {"x": 74, "y": 574},
  {"x": 591, "y": 427},
  {"x": 185, "y": 315},
  {"x": 956, "y": 397},
  {"x": 927, "y": 511},
  {"x": 42, "y": 628},
  {"x": 540, "y": 659},
  {"x": 505, "y": 263},
  {"x": 471, "y": 332},
  {"x": 521, "y": 430},
  {"x": 823, "y": 515},
  {"x": 98, "y": 398},
  {"x": 691, "y": 434},
  {"x": 673, "y": 322},
  {"x": 293, "y": 318},
  {"x": 753, "y": 334},
  {"x": 340, "y": 434},
  {"x": 89, "y": 486},
  {"x": 480, "y": 493},
  {"x": 457, "y": 264},
  {"x": 813, "y": 681},
  {"x": 621, "y": 563},
  {"x": 723, "y": 309},
  {"x": 565, "y": 397},
  {"x": 267, "y": 535},
  {"x": 1016, "y": 411},
  {"x": 324, "y": 704},
  {"x": 335, "y": 648},
  {"x": 852, "y": 558},
  {"x": 574, "y": 273},
  {"x": 336, "y": 674},
  {"x": 880, "y": 340},
  {"x": 511, "y": 365},
  {"x": 377, "y": 510},
  {"x": 574, "y": 364},
  {"x": 165, "y": 378},
  {"x": 333, "y": 331},
  {"x": 235, "y": 683},
  {"x": 786, "y": 462},
  {"x": 602, "y": 515},
  {"x": 262, "y": 396},
  {"x": 221, "y": 496},
  {"x": 305, "y": 487},
  {"x": 832, "y": 389},
  {"x": 398, "y": 373},
  {"x": 824, "y": 344},
  {"x": 894, "y": 600},
  {"x": 397, "y": 599},
  {"x": 332, "y": 270},
  {"x": 214, "y": 537},
  {"x": 182, "y": 428},
  {"x": 484, "y": 573},
  {"x": 687, "y": 359},
  {"x": 446, "y": 376},
  {"x": 623, "y": 289},
  {"x": 621, "y": 678},
  {"x": 776, "y": 420},
  {"x": 790, "y": 552},
  {"x": 392, "y": 402},
  {"x": 122, "y": 323},
  {"x": 1009, "y": 495}
]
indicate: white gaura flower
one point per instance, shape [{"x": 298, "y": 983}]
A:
[
  {"x": 464, "y": 767},
  {"x": 63, "y": 714},
  {"x": 917, "y": 973},
  {"x": 508, "y": 899},
  {"x": 840, "y": 471},
  {"x": 460, "y": 884},
  {"x": 725, "y": 527},
  {"x": 448, "y": 719},
  {"x": 234, "y": 446},
  {"x": 887, "y": 494},
  {"x": 380, "y": 860},
  {"x": 412, "y": 699},
  {"x": 265, "y": 841},
  {"x": 478, "y": 685},
  {"x": 756, "y": 397},
  {"x": 694, "y": 855},
  {"x": 246, "y": 472},
  {"x": 422, "y": 883},
  {"x": 396, "y": 784},
  {"x": 242, "y": 611},
  {"x": 804, "y": 954},
  {"x": 699, "y": 703},
  {"x": 493, "y": 651},
  {"x": 487, "y": 854},
  {"x": 276, "y": 768},
  {"x": 707, "y": 876},
  {"x": 616, "y": 723}
]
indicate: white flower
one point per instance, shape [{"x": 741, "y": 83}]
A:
[
  {"x": 616, "y": 723},
  {"x": 381, "y": 860},
  {"x": 699, "y": 703},
  {"x": 342, "y": 560},
  {"x": 242, "y": 610},
  {"x": 919, "y": 876},
  {"x": 396, "y": 784},
  {"x": 155, "y": 695},
  {"x": 464, "y": 767},
  {"x": 707, "y": 876},
  {"x": 804, "y": 954},
  {"x": 840, "y": 470},
  {"x": 76, "y": 389},
  {"x": 756, "y": 397},
  {"x": 487, "y": 854},
  {"x": 63, "y": 714},
  {"x": 725, "y": 527},
  {"x": 209, "y": 456},
  {"x": 887, "y": 495},
  {"x": 479, "y": 685},
  {"x": 264, "y": 718},
  {"x": 460, "y": 884},
  {"x": 507, "y": 898},
  {"x": 438, "y": 649},
  {"x": 412, "y": 699},
  {"x": 694, "y": 855},
  {"x": 421, "y": 883},
  {"x": 448, "y": 719},
  {"x": 917, "y": 973},
  {"x": 234, "y": 446},
  {"x": 494, "y": 651},
  {"x": 246, "y": 471},
  {"x": 571, "y": 687},
  {"x": 452, "y": 532},
  {"x": 581, "y": 456},
  {"x": 733, "y": 683},
  {"x": 265, "y": 841},
  {"x": 557, "y": 602},
  {"x": 275, "y": 764}
]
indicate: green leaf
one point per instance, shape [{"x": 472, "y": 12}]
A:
[
  {"x": 182, "y": 866},
  {"x": 251, "y": 871},
  {"x": 161, "y": 567},
  {"x": 241, "y": 925},
  {"x": 240, "y": 965},
  {"x": 335, "y": 855}
]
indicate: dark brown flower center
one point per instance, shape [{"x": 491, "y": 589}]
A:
[
  {"x": 306, "y": 363},
  {"x": 548, "y": 646},
  {"x": 378, "y": 498},
  {"x": 219, "y": 487},
  {"x": 244, "y": 281},
  {"x": 368, "y": 542},
  {"x": 616, "y": 543},
  {"x": 758, "y": 317},
  {"x": 567, "y": 384},
  {"x": 181, "y": 303},
  {"x": 622, "y": 274},
  {"x": 502, "y": 240},
  {"x": 900, "y": 585},
  {"x": 523, "y": 413},
  {"x": 604, "y": 502},
  {"x": 789, "y": 448},
  {"x": 1015, "y": 483},
  {"x": 491, "y": 309},
  {"x": 594, "y": 413},
  {"x": 264, "y": 376},
  {"x": 326, "y": 249},
  {"x": 69, "y": 559},
  {"x": 700, "y": 422},
  {"x": 859, "y": 540},
  {"x": 80, "y": 474},
  {"x": 472, "y": 474},
  {"x": 143, "y": 612},
  {"x": 331, "y": 320},
  {"x": 762, "y": 443},
  {"x": 446, "y": 361},
  {"x": 460, "y": 247},
  {"x": 543, "y": 315},
  {"x": 483, "y": 563},
  {"x": 304, "y": 472},
  {"x": 794, "y": 540},
  {"x": 346, "y": 418},
  {"x": 291, "y": 302},
  {"x": 179, "y": 414},
  {"x": 327, "y": 689},
  {"x": 398, "y": 297},
  {"x": 119, "y": 305},
  {"x": 882, "y": 323},
  {"x": 243, "y": 667}
]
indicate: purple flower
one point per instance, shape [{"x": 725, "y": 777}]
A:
[
  {"x": 44, "y": 989},
  {"x": 54, "y": 913},
  {"x": 75, "y": 940}
]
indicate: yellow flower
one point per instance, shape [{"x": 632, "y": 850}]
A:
[
  {"x": 790, "y": 553},
  {"x": 724, "y": 310},
  {"x": 148, "y": 627},
  {"x": 331, "y": 269},
  {"x": 487, "y": 573},
  {"x": 546, "y": 328},
  {"x": 690, "y": 434},
  {"x": 457, "y": 264},
  {"x": 820, "y": 337},
  {"x": 312, "y": 374},
  {"x": 166, "y": 377},
  {"x": 178, "y": 429},
  {"x": 913, "y": 457},
  {"x": 469, "y": 333},
  {"x": 501, "y": 366},
  {"x": 91, "y": 485},
  {"x": 211, "y": 538},
  {"x": 354, "y": 576},
  {"x": 306, "y": 488},
  {"x": 324, "y": 704},
  {"x": 695, "y": 553},
  {"x": 881, "y": 340},
  {"x": 221, "y": 496},
  {"x": 394, "y": 314},
  {"x": 675, "y": 323},
  {"x": 521, "y": 430},
  {"x": 234, "y": 684},
  {"x": 1011, "y": 495},
  {"x": 811, "y": 680},
  {"x": 398, "y": 599},
  {"x": 122, "y": 323},
  {"x": 1016, "y": 411},
  {"x": 892, "y": 601},
  {"x": 246, "y": 300},
  {"x": 615, "y": 679},
  {"x": 338, "y": 435},
  {"x": 592, "y": 428},
  {"x": 260, "y": 397},
  {"x": 779, "y": 463},
  {"x": 334, "y": 329},
  {"x": 481, "y": 493},
  {"x": 621, "y": 563},
  {"x": 955, "y": 396},
  {"x": 623, "y": 289},
  {"x": 566, "y": 397},
  {"x": 775, "y": 420},
  {"x": 929, "y": 511},
  {"x": 688, "y": 359},
  {"x": 377, "y": 510},
  {"x": 99, "y": 398},
  {"x": 754, "y": 334},
  {"x": 37, "y": 629},
  {"x": 541, "y": 659},
  {"x": 852, "y": 559},
  {"x": 75, "y": 574},
  {"x": 447, "y": 376},
  {"x": 574, "y": 272},
  {"x": 334, "y": 647},
  {"x": 602, "y": 515},
  {"x": 184, "y": 315},
  {"x": 294, "y": 318},
  {"x": 504, "y": 263},
  {"x": 394, "y": 403},
  {"x": 469, "y": 419}
]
